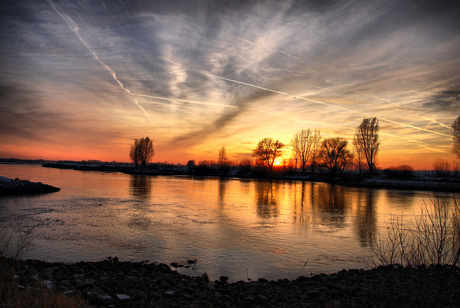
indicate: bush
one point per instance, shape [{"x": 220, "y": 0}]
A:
[
  {"x": 442, "y": 167},
  {"x": 432, "y": 238},
  {"x": 401, "y": 171}
]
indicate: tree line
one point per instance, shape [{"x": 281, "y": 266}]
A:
[{"x": 309, "y": 149}]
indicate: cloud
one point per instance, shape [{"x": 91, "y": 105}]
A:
[
  {"x": 397, "y": 60},
  {"x": 23, "y": 116}
]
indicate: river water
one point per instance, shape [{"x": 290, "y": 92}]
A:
[{"x": 244, "y": 229}]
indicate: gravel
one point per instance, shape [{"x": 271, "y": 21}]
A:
[{"x": 111, "y": 283}]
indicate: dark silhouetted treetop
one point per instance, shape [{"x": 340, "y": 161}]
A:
[
  {"x": 456, "y": 136},
  {"x": 334, "y": 154},
  {"x": 267, "y": 151},
  {"x": 142, "y": 151},
  {"x": 367, "y": 142}
]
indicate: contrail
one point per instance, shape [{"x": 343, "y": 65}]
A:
[
  {"x": 280, "y": 92},
  {"x": 403, "y": 107},
  {"x": 185, "y": 101},
  {"x": 75, "y": 29},
  {"x": 414, "y": 127},
  {"x": 423, "y": 144},
  {"x": 326, "y": 104}
]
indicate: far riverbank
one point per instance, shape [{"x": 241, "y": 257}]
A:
[{"x": 427, "y": 181}]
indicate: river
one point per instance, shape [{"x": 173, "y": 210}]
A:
[{"x": 243, "y": 229}]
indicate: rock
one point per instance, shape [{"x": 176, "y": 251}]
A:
[
  {"x": 123, "y": 297},
  {"x": 262, "y": 298},
  {"x": 158, "y": 286},
  {"x": 17, "y": 187},
  {"x": 205, "y": 277},
  {"x": 97, "y": 294}
]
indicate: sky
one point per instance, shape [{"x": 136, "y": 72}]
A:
[{"x": 80, "y": 80}]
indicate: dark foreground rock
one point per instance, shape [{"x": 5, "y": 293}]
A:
[
  {"x": 111, "y": 283},
  {"x": 18, "y": 187}
]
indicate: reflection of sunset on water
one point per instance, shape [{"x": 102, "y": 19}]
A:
[{"x": 268, "y": 227}]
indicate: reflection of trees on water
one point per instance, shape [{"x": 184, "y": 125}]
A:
[
  {"x": 300, "y": 211},
  {"x": 331, "y": 202},
  {"x": 401, "y": 199},
  {"x": 366, "y": 224},
  {"x": 140, "y": 186},
  {"x": 266, "y": 194},
  {"x": 222, "y": 187},
  {"x": 315, "y": 203}
]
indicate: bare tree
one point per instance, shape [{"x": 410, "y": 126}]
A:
[
  {"x": 456, "y": 136},
  {"x": 267, "y": 151},
  {"x": 141, "y": 151},
  {"x": 305, "y": 144},
  {"x": 334, "y": 154},
  {"x": 367, "y": 136},
  {"x": 223, "y": 158},
  {"x": 359, "y": 154}
]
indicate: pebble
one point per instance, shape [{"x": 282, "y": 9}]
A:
[{"x": 157, "y": 285}]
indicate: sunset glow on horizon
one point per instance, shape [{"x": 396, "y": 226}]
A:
[{"x": 80, "y": 80}]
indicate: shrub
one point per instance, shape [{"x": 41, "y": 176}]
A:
[
  {"x": 432, "y": 238},
  {"x": 401, "y": 171},
  {"x": 442, "y": 167}
]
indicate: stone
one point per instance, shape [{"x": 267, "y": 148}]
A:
[
  {"x": 170, "y": 292},
  {"x": 99, "y": 295},
  {"x": 123, "y": 297}
]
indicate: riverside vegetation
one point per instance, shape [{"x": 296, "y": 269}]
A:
[{"x": 418, "y": 268}]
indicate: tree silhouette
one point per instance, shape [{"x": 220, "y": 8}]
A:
[
  {"x": 305, "y": 144},
  {"x": 359, "y": 154},
  {"x": 222, "y": 158},
  {"x": 141, "y": 151},
  {"x": 334, "y": 154},
  {"x": 456, "y": 136},
  {"x": 267, "y": 151},
  {"x": 367, "y": 141}
]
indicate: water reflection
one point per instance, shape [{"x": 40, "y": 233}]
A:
[
  {"x": 266, "y": 199},
  {"x": 402, "y": 199},
  {"x": 331, "y": 203},
  {"x": 222, "y": 187},
  {"x": 140, "y": 186},
  {"x": 366, "y": 221},
  {"x": 301, "y": 206}
]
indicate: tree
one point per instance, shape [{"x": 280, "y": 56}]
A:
[
  {"x": 267, "y": 151},
  {"x": 223, "y": 158},
  {"x": 334, "y": 154},
  {"x": 305, "y": 144},
  {"x": 456, "y": 136},
  {"x": 359, "y": 154},
  {"x": 367, "y": 139},
  {"x": 141, "y": 151}
]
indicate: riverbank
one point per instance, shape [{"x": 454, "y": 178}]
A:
[
  {"x": 20, "y": 187},
  {"x": 428, "y": 183},
  {"x": 111, "y": 283}
]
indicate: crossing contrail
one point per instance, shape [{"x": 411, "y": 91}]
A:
[
  {"x": 326, "y": 104},
  {"x": 410, "y": 110},
  {"x": 73, "y": 26}
]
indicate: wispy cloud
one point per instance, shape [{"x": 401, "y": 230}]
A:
[{"x": 200, "y": 70}]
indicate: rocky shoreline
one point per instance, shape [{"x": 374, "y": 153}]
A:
[
  {"x": 18, "y": 187},
  {"x": 111, "y": 283}
]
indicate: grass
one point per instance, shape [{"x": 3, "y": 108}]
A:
[
  {"x": 432, "y": 238},
  {"x": 35, "y": 295}
]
